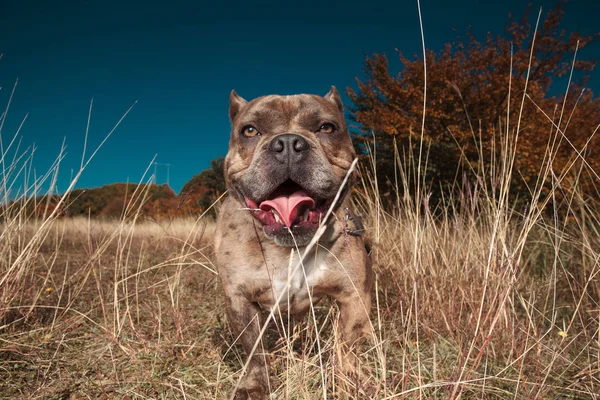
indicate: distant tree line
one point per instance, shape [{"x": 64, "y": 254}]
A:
[{"x": 129, "y": 200}]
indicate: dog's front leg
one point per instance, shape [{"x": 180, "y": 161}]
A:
[
  {"x": 245, "y": 321},
  {"x": 353, "y": 324}
]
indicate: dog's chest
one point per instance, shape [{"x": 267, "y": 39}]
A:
[{"x": 294, "y": 282}]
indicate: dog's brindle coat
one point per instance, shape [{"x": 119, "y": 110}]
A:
[{"x": 301, "y": 141}]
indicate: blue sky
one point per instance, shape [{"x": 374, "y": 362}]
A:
[{"x": 180, "y": 60}]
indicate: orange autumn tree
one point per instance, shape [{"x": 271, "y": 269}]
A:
[{"x": 467, "y": 109}]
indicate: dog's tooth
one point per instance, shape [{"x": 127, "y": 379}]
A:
[
  {"x": 305, "y": 216},
  {"x": 277, "y": 219}
]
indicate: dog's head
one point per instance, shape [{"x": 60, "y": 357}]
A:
[{"x": 288, "y": 156}]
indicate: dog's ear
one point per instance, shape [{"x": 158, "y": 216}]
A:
[
  {"x": 334, "y": 97},
  {"x": 235, "y": 104}
]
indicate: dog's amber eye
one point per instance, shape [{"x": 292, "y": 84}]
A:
[
  {"x": 250, "y": 131},
  {"x": 326, "y": 128}
]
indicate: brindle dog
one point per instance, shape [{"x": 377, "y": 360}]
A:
[{"x": 287, "y": 159}]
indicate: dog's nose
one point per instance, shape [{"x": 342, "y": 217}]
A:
[{"x": 289, "y": 147}]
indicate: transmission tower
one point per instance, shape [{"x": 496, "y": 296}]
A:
[{"x": 168, "y": 167}]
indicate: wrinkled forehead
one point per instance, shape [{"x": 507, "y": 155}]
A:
[{"x": 303, "y": 109}]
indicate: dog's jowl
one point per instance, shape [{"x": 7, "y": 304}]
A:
[{"x": 288, "y": 157}]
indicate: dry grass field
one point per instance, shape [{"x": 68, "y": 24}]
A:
[{"x": 478, "y": 301}]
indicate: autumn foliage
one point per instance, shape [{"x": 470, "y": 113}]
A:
[
  {"x": 126, "y": 200},
  {"x": 480, "y": 93}
]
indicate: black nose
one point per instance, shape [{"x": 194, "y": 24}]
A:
[{"x": 289, "y": 148}]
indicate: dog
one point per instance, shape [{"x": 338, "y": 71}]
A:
[{"x": 288, "y": 158}]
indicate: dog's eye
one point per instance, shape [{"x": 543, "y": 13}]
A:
[
  {"x": 326, "y": 128},
  {"x": 250, "y": 131}
]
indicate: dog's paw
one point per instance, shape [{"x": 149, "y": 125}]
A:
[
  {"x": 256, "y": 393},
  {"x": 347, "y": 362},
  {"x": 254, "y": 386},
  {"x": 354, "y": 377}
]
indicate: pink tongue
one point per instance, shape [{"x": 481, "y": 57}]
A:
[{"x": 287, "y": 206}]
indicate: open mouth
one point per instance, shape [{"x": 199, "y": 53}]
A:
[{"x": 289, "y": 206}]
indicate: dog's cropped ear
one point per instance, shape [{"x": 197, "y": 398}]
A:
[
  {"x": 334, "y": 97},
  {"x": 235, "y": 104}
]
